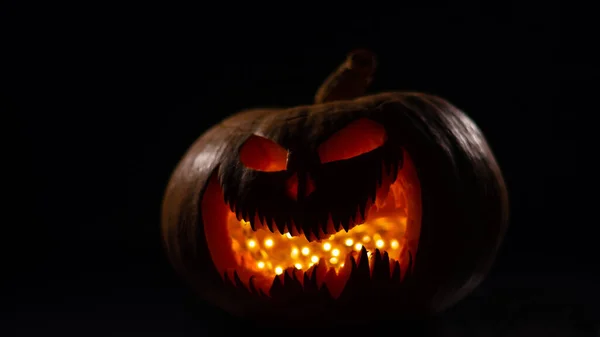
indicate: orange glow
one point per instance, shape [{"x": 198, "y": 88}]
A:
[
  {"x": 359, "y": 137},
  {"x": 392, "y": 225},
  {"x": 281, "y": 250},
  {"x": 262, "y": 154}
]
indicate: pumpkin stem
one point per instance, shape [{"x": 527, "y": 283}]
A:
[{"x": 350, "y": 79}]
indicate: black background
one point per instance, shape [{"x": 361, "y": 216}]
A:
[{"x": 105, "y": 101}]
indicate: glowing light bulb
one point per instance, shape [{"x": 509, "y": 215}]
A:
[
  {"x": 251, "y": 243},
  {"x": 342, "y": 264},
  {"x": 333, "y": 260},
  {"x": 314, "y": 259},
  {"x": 327, "y": 246},
  {"x": 295, "y": 252},
  {"x": 358, "y": 246},
  {"x": 269, "y": 242},
  {"x": 298, "y": 266},
  {"x": 261, "y": 265},
  {"x": 335, "y": 252},
  {"x": 395, "y": 244},
  {"x": 278, "y": 270},
  {"x": 366, "y": 238},
  {"x": 349, "y": 242},
  {"x": 379, "y": 243},
  {"x": 305, "y": 251},
  {"x": 288, "y": 235}
]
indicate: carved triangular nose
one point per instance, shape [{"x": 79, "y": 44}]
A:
[{"x": 299, "y": 188}]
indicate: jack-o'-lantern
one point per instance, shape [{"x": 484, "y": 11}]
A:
[{"x": 388, "y": 205}]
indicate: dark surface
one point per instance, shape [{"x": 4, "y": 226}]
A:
[{"x": 105, "y": 102}]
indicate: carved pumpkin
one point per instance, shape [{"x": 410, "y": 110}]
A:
[{"x": 392, "y": 203}]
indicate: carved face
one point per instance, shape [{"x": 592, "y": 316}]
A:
[
  {"x": 301, "y": 201},
  {"x": 390, "y": 201}
]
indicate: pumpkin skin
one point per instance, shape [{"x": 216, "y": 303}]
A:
[{"x": 269, "y": 169}]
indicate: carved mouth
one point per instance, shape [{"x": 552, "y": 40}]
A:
[{"x": 260, "y": 252}]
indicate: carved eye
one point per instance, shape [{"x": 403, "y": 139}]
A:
[
  {"x": 359, "y": 137},
  {"x": 262, "y": 154}
]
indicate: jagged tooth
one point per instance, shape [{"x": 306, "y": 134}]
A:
[
  {"x": 313, "y": 283},
  {"x": 255, "y": 223},
  {"x": 294, "y": 229},
  {"x": 353, "y": 261},
  {"x": 323, "y": 219},
  {"x": 362, "y": 210},
  {"x": 324, "y": 292},
  {"x": 259, "y": 219},
  {"x": 260, "y": 222},
  {"x": 346, "y": 265},
  {"x": 330, "y": 277},
  {"x": 331, "y": 223},
  {"x": 238, "y": 281},
  {"x": 380, "y": 266},
  {"x": 310, "y": 284},
  {"x": 231, "y": 206},
  {"x": 226, "y": 278},
  {"x": 337, "y": 222},
  {"x": 312, "y": 226},
  {"x": 329, "y": 228},
  {"x": 352, "y": 223},
  {"x": 345, "y": 224},
  {"x": 298, "y": 276},
  {"x": 363, "y": 258},
  {"x": 321, "y": 271},
  {"x": 271, "y": 225},
  {"x": 384, "y": 266},
  {"x": 308, "y": 234},
  {"x": 249, "y": 215},
  {"x": 275, "y": 228},
  {"x": 252, "y": 286},
  {"x": 268, "y": 222},
  {"x": 276, "y": 287},
  {"x": 322, "y": 235},
  {"x": 375, "y": 259},
  {"x": 280, "y": 226},
  {"x": 260, "y": 215},
  {"x": 349, "y": 258},
  {"x": 358, "y": 217},
  {"x": 287, "y": 277},
  {"x": 238, "y": 214},
  {"x": 396, "y": 273}
]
